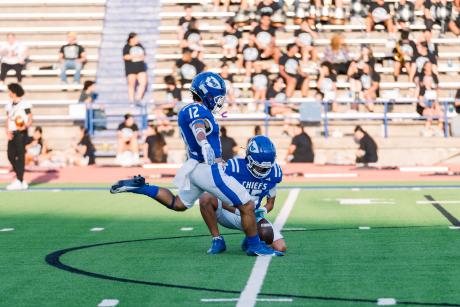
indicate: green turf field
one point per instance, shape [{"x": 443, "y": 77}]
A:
[{"x": 409, "y": 253}]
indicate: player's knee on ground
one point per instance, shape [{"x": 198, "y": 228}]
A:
[{"x": 279, "y": 245}]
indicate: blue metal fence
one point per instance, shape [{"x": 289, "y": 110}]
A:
[{"x": 142, "y": 116}]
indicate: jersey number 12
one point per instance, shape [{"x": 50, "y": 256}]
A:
[{"x": 193, "y": 112}]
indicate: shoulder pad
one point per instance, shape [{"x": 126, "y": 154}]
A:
[
  {"x": 233, "y": 165},
  {"x": 277, "y": 173}
]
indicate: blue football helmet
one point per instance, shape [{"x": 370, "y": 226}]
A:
[
  {"x": 211, "y": 89},
  {"x": 260, "y": 156}
]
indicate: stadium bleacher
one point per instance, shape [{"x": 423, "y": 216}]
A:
[{"x": 43, "y": 24}]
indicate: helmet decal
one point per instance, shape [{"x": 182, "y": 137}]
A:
[
  {"x": 253, "y": 147},
  {"x": 212, "y": 82}
]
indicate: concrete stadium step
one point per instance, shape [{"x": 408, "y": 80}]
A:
[
  {"x": 55, "y": 36},
  {"x": 139, "y": 16},
  {"x": 52, "y": 9},
  {"x": 50, "y": 22},
  {"x": 54, "y": 50}
]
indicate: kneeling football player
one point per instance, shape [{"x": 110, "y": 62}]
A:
[{"x": 259, "y": 174}]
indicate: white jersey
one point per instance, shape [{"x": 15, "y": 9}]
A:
[
  {"x": 13, "y": 54},
  {"x": 14, "y": 110}
]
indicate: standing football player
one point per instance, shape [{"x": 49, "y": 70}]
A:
[
  {"x": 259, "y": 174},
  {"x": 203, "y": 171}
]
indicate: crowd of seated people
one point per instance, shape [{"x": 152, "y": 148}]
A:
[{"x": 250, "y": 53}]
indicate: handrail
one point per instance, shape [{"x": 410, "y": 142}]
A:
[{"x": 144, "y": 116}]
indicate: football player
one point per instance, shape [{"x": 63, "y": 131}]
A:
[
  {"x": 203, "y": 171},
  {"x": 259, "y": 174}
]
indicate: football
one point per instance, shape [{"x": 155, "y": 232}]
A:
[
  {"x": 19, "y": 121},
  {"x": 265, "y": 230}
]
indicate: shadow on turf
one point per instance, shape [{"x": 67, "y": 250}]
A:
[{"x": 54, "y": 259}]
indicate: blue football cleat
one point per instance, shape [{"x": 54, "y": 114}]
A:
[
  {"x": 244, "y": 244},
  {"x": 218, "y": 246},
  {"x": 128, "y": 185},
  {"x": 262, "y": 250}
]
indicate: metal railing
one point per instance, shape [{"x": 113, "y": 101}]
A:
[{"x": 142, "y": 115}]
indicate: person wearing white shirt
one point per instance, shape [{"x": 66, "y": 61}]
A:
[
  {"x": 18, "y": 120},
  {"x": 13, "y": 55}
]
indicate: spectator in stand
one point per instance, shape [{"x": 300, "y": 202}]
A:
[
  {"x": 155, "y": 149},
  {"x": 264, "y": 35},
  {"x": 405, "y": 13},
  {"x": 379, "y": 13},
  {"x": 370, "y": 86},
  {"x": 454, "y": 24},
  {"x": 437, "y": 12},
  {"x": 428, "y": 38},
  {"x": 188, "y": 67},
  {"x": 184, "y": 21},
  {"x": 457, "y": 102},
  {"x": 428, "y": 105},
  {"x": 366, "y": 55},
  {"x": 250, "y": 55},
  {"x": 327, "y": 85},
  {"x": 228, "y": 79},
  {"x": 173, "y": 95},
  {"x": 337, "y": 55},
  {"x": 259, "y": 81},
  {"x": 225, "y": 5},
  {"x": 84, "y": 152},
  {"x": 192, "y": 39},
  {"x": 268, "y": 7},
  {"x": 367, "y": 151},
  {"x": 135, "y": 68},
  {"x": 167, "y": 108},
  {"x": 327, "y": 14},
  {"x": 88, "y": 94},
  {"x": 359, "y": 11},
  {"x": 422, "y": 56},
  {"x": 128, "y": 147},
  {"x": 278, "y": 103},
  {"x": 36, "y": 148},
  {"x": 257, "y": 131},
  {"x": 291, "y": 71},
  {"x": 305, "y": 38},
  {"x": 13, "y": 56},
  {"x": 72, "y": 56},
  {"x": 277, "y": 92},
  {"x": 232, "y": 43},
  {"x": 229, "y": 146},
  {"x": 301, "y": 148},
  {"x": 404, "y": 55}
]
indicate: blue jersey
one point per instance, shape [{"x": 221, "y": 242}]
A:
[
  {"x": 257, "y": 188},
  {"x": 187, "y": 116}
]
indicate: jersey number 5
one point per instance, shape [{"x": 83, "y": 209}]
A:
[{"x": 193, "y": 112}]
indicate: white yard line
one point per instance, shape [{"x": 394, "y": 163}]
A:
[
  {"x": 365, "y": 201},
  {"x": 424, "y": 169},
  {"x": 248, "y": 297},
  {"x": 108, "y": 303},
  {"x": 224, "y": 300}
]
